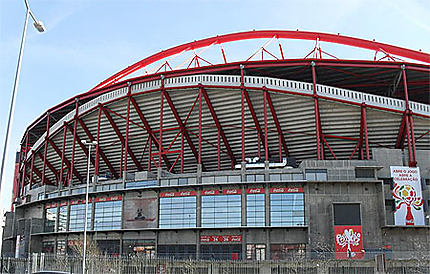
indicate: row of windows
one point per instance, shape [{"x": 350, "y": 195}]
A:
[
  {"x": 107, "y": 216},
  {"x": 286, "y": 209}
]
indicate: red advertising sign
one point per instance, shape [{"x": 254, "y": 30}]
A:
[
  {"x": 209, "y": 192},
  {"x": 231, "y": 191},
  {"x": 108, "y": 199},
  {"x": 63, "y": 203},
  {"x": 255, "y": 190},
  {"x": 221, "y": 238},
  {"x": 76, "y": 202},
  {"x": 51, "y": 205},
  {"x": 177, "y": 194},
  {"x": 348, "y": 241},
  {"x": 286, "y": 190},
  {"x": 224, "y": 192}
]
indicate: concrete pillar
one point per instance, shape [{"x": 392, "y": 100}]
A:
[
  {"x": 199, "y": 173},
  {"x": 266, "y": 171},
  {"x": 243, "y": 171}
]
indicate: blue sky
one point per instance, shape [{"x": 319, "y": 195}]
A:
[{"x": 88, "y": 40}]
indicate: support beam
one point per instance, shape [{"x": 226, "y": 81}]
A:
[
  {"x": 81, "y": 145},
  {"x": 98, "y": 150},
  {"x": 149, "y": 130},
  {"x": 74, "y": 138},
  {"x": 218, "y": 125},
  {"x": 317, "y": 116},
  {"x": 63, "y": 151},
  {"x": 200, "y": 127},
  {"x": 121, "y": 138},
  {"x": 409, "y": 123},
  {"x": 39, "y": 174},
  {"x": 266, "y": 146},
  {"x": 400, "y": 143},
  {"x": 45, "y": 151},
  {"x": 277, "y": 124},
  {"x": 50, "y": 166},
  {"x": 127, "y": 125},
  {"x": 68, "y": 164},
  {"x": 182, "y": 126},
  {"x": 255, "y": 119}
]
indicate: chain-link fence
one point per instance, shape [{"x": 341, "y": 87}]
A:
[{"x": 42, "y": 263}]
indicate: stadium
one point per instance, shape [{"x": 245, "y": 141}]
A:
[{"x": 193, "y": 155}]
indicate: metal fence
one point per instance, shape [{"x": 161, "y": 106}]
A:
[{"x": 137, "y": 264}]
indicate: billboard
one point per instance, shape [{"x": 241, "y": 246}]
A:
[
  {"x": 348, "y": 242},
  {"x": 140, "y": 211},
  {"x": 407, "y": 196}
]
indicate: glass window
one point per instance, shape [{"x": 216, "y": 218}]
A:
[
  {"x": 255, "y": 211},
  {"x": 177, "y": 212},
  {"x": 41, "y": 196},
  {"x": 108, "y": 215},
  {"x": 77, "y": 217},
  {"x": 140, "y": 184},
  {"x": 285, "y": 251},
  {"x": 347, "y": 214},
  {"x": 221, "y": 211},
  {"x": 316, "y": 175},
  {"x": 297, "y": 176},
  {"x": 52, "y": 195},
  {"x": 62, "y": 218},
  {"x": 50, "y": 218},
  {"x": 275, "y": 177},
  {"x": 364, "y": 173},
  {"x": 256, "y": 252},
  {"x": 234, "y": 178},
  {"x": 287, "y": 209}
]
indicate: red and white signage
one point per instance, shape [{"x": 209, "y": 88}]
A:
[
  {"x": 51, "y": 205},
  {"x": 108, "y": 199},
  {"x": 255, "y": 190},
  {"x": 64, "y": 203},
  {"x": 177, "y": 194},
  {"x": 223, "y": 192},
  {"x": 209, "y": 192},
  {"x": 407, "y": 195},
  {"x": 286, "y": 190},
  {"x": 348, "y": 241},
  {"x": 221, "y": 238},
  {"x": 76, "y": 202}
]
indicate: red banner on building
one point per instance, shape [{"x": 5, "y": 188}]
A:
[
  {"x": 255, "y": 190},
  {"x": 64, "y": 203},
  {"x": 221, "y": 238},
  {"x": 177, "y": 194},
  {"x": 76, "y": 202},
  {"x": 108, "y": 199},
  {"x": 348, "y": 241},
  {"x": 224, "y": 192},
  {"x": 286, "y": 190},
  {"x": 51, "y": 205},
  {"x": 209, "y": 192}
]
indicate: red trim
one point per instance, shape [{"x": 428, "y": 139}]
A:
[
  {"x": 300, "y": 35},
  {"x": 50, "y": 205},
  {"x": 64, "y": 203},
  {"x": 255, "y": 190},
  {"x": 177, "y": 194},
  {"x": 286, "y": 190},
  {"x": 209, "y": 192},
  {"x": 220, "y": 238},
  {"x": 108, "y": 199}
]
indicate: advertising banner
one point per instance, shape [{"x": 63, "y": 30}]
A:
[
  {"x": 348, "y": 241},
  {"x": 407, "y": 196},
  {"x": 220, "y": 238},
  {"x": 140, "y": 212}
]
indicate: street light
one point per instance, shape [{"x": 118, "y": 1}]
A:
[
  {"x": 89, "y": 144},
  {"x": 39, "y": 26}
]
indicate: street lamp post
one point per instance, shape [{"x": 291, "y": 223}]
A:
[
  {"x": 89, "y": 144},
  {"x": 39, "y": 26}
]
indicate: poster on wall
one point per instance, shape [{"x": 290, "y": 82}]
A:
[
  {"x": 407, "y": 196},
  {"x": 140, "y": 212},
  {"x": 348, "y": 242}
]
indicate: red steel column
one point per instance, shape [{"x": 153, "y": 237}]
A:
[
  {"x": 32, "y": 169},
  {"x": 409, "y": 123},
  {"x": 182, "y": 152},
  {"x": 63, "y": 149},
  {"x": 366, "y": 139},
  {"x": 200, "y": 126},
  {"x": 266, "y": 146},
  {"x": 46, "y": 147},
  {"x": 127, "y": 121},
  {"x": 97, "y": 164},
  {"x": 242, "y": 97},
  {"x": 316, "y": 109},
  {"x": 150, "y": 154},
  {"x": 160, "y": 144},
  {"x": 75, "y": 123},
  {"x": 219, "y": 151},
  {"x": 24, "y": 160}
]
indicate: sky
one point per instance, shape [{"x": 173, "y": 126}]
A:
[{"x": 88, "y": 40}]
